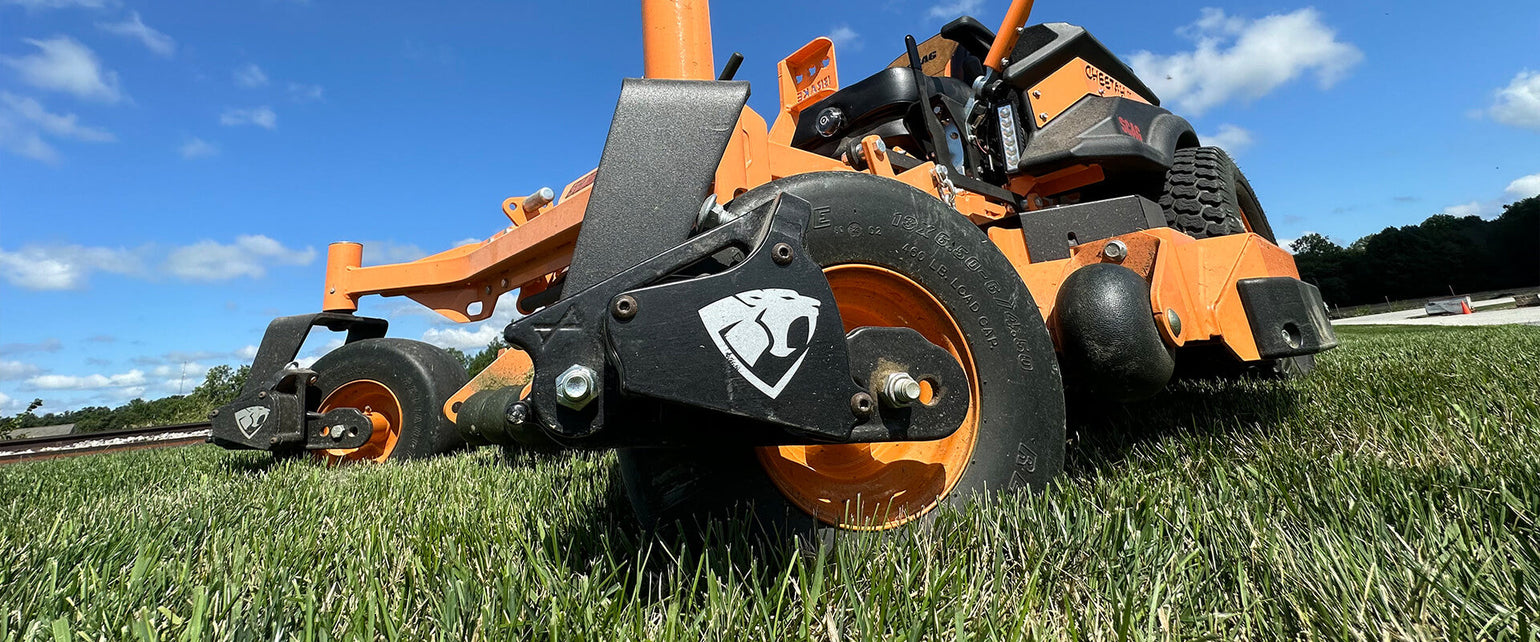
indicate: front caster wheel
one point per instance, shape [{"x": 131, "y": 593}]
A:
[
  {"x": 402, "y": 386},
  {"x": 894, "y": 257}
]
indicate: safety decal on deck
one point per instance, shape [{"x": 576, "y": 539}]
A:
[{"x": 747, "y": 325}]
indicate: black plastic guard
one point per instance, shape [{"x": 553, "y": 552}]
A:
[
  {"x": 1051, "y": 232},
  {"x": 659, "y": 161},
  {"x": 1287, "y": 316}
]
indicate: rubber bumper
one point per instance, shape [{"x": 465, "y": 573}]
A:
[{"x": 1109, "y": 345}]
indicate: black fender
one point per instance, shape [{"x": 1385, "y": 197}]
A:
[{"x": 1121, "y": 135}]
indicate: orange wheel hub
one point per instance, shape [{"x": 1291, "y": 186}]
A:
[
  {"x": 382, "y": 408},
  {"x": 881, "y": 485}
]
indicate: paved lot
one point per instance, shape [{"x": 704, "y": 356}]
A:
[{"x": 1521, "y": 316}]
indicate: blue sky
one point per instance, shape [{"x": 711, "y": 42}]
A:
[{"x": 170, "y": 172}]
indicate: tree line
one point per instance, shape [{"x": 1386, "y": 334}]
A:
[
  {"x": 220, "y": 386},
  {"x": 1443, "y": 254}
]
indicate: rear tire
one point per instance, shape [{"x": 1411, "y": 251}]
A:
[
  {"x": 879, "y": 226},
  {"x": 420, "y": 377},
  {"x": 1206, "y": 195}
]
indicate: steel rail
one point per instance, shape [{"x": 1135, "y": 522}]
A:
[{"x": 14, "y": 451}]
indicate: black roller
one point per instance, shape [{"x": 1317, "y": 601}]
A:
[{"x": 1109, "y": 345}]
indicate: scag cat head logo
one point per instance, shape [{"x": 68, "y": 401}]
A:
[
  {"x": 250, "y": 419},
  {"x": 746, "y": 325}
]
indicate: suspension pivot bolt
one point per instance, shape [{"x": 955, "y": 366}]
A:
[{"x": 576, "y": 387}]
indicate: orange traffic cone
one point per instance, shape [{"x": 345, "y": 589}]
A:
[{"x": 1465, "y": 307}]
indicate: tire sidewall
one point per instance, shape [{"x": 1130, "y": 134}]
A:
[
  {"x": 421, "y": 376},
  {"x": 858, "y": 218}
]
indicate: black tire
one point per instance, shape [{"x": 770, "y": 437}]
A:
[
  {"x": 421, "y": 376},
  {"x": 1206, "y": 195},
  {"x": 1020, "y": 440}
]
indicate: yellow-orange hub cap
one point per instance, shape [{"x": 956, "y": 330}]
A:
[
  {"x": 879, "y": 486},
  {"x": 382, "y": 408}
]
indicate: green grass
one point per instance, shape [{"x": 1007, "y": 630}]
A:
[{"x": 1392, "y": 495}]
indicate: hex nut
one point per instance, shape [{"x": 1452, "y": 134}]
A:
[{"x": 576, "y": 387}]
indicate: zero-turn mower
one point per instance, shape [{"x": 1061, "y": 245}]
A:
[{"x": 845, "y": 318}]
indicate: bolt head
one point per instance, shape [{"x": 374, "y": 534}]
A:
[
  {"x": 1174, "y": 322},
  {"x": 900, "y": 389},
  {"x": 1037, "y": 94},
  {"x": 781, "y": 253},
  {"x": 1115, "y": 251},
  {"x": 517, "y": 413},
  {"x": 623, "y": 307},
  {"x": 576, "y": 387},
  {"x": 861, "y": 405}
]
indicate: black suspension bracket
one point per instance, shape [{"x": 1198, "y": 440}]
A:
[
  {"x": 665, "y": 351},
  {"x": 276, "y": 409}
]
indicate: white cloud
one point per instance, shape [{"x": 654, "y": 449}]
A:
[
  {"x": 248, "y": 256},
  {"x": 260, "y": 116},
  {"x": 64, "y": 267},
  {"x": 1230, "y": 137},
  {"x": 475, "y": 336},
  {"x": 382, "y": 252},
  {"x": 87, "y": 382},
  {"x": 250, "y": 76},
  {"x": 1238, "y": 58},
  {"x": 68, "y": 267},
  {"x": 1524, "y": 187},
  {"x": 34, "y": 5},
  {"x": 7, "y": 406},
  {"x": 955, "y": 8},
  {"x": 65, "y": 126},
  {"x": 1473, "y": 208},
  {"x": 10, "y": 370},
  {"x": 197, "y": 148},
  {"x": 845, "y": 38},
  {"x": 1518, "y": 104},
  {"x": 63, "y": 64},
  {"x": 247, "y": 353},
  {"x": 303, "y": 93},
  {"x": 158, "y": 43},
  {"x": 24, "y": 122}
]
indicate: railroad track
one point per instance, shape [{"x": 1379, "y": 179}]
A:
[{"x": 15, "y": 451}]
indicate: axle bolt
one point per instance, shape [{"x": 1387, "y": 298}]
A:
[
  {"x": 623, "y": 307},
  {"x": 861, "y": 405},
  {"x": 576, "y": 387},
  {"x": 517, "y": 413},
  {"x": 900, "y": 390},
  {"x": 781, "y": 253},
  {"x": 1115, "y": 251}
]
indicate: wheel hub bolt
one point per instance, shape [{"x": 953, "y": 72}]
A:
[
  {"x": 1115, "y": 251},
  {"x": 576, "y": 387},
  {"x": 900, "y": 389}
]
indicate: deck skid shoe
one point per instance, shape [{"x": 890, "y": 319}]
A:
[{"x": 732, "y": 336}]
